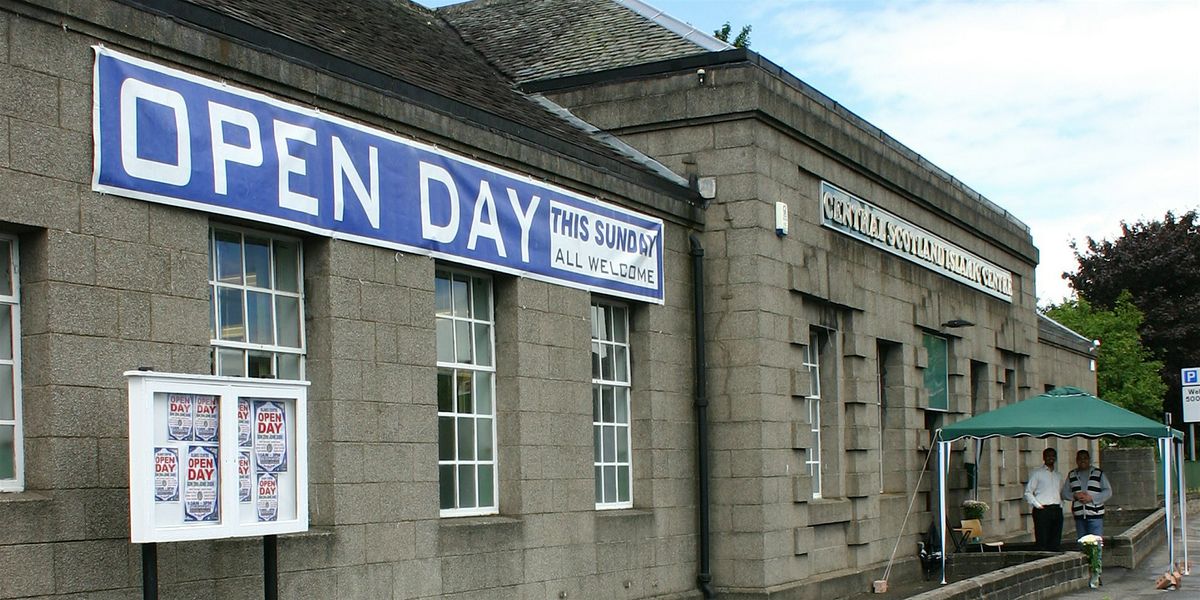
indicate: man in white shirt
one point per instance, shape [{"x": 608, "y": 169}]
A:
[{"x": 1043, "y": 493}]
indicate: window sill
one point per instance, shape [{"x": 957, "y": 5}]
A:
[
  {"x": 825, "y": 511},
  {"x": 478, "y": 521},
  {"x": 21, "y": 497},
  {"x": 620, "y": 514}
]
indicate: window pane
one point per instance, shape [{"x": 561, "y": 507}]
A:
[
  {"x": 622, "y": 484},
  {"x": 8, "y": 456},
  {"x": 464, "y": 392},
  {"x": 620, "y": 325},
  {"x": 483, "y": 393},
  {"x": 230, "y": 362},
  {"x": 287, "y": 325},
  {"x": 6, "y": 268},
  {"x": 445, "y": 390},
  {"x": 462, "y": 342},
  {"x": 259, "y": 364},
  {"x": 600, "y": 325},
  {"x": 287, "y": 366},
  {"x": 445, "y": 340},
  {"x": 7, "y": 410},
  {"x": 607, "y": 439},
  {"x": 483, "y": 344},
  {"x": 483, "y": 306},
  {"x": 595, "y": 403},
  {"x": 287, "y": 266},
  {"x": 229, "y": 310},
  {"x": 599, "y": 485},
  {"x": 606, "y": 404},
  {"x": 610, "y": 484},
  {"x": 597, "y": 436},
  {"x": 212, "y": 314},
  {"x": 460, "y": 296},
  {"x": 595, "y": 360},
  {"x": 466, "y": 486},
  {"x": 445, "y": 438},
  {"x": 484, "y": 435},
  {"x": 621, "y": 405},
  {"x": 595, "y": 322},
  {"x": 5, "y": 331},
  {"x": 441, "y": 294},
  {"x": 446, "y": 485},
  {"x": 262, "y": 325},
  {"x": 466, "y": 438},
  {"x": 622, "y": 444},
  {"x": 486, "y": 485},
  {"x": 620, "y": 361},
  {"x": 606, "y": 362},
  {"x": 229, "y": 256},
  {"x": 258, "y": 262}
]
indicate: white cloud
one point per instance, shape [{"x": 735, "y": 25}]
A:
[{"x": 1073, "y": 116}]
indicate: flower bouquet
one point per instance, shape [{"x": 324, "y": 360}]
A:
[
  {"x": 1093, "y": 548},
  {"x": 974, "y": 509}
]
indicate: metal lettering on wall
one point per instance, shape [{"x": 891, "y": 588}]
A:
[
  {"x": 167, "y": 136},
  {"x": 855, "y": 217}
]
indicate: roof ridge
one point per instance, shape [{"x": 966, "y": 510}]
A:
[{"x": 683, "y": 29}]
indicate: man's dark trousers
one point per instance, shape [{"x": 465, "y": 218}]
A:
[{"x": 1047, "y": 527}]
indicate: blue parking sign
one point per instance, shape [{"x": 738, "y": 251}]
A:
[{"x": 1191, "y": 376}]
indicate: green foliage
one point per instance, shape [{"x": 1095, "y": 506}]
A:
[
  {"x": 741, "y": 41},
  {"x": 1158, "y": 263},
  {"x": 1126, "y": 372}
]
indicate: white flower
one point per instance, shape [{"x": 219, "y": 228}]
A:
[{"x": 1091, "y": 539}]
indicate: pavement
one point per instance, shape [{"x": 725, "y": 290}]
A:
[{"x": 1135, "y": 584}]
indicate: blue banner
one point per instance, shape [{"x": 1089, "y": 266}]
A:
[{"x": 167, "y": 136}]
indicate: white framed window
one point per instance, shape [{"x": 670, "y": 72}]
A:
[
  {"x": 256, "y": 298},
  {"x": 12, "y": 446},
  {"x": 613, "y": 455},
  {"x": 466, "y": 389},
  {"x": 812, "y": 362}
]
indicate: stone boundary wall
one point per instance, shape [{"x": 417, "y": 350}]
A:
[
  {"x": 1132, "y": 546},
  {"x": 1042, "y": 578}
]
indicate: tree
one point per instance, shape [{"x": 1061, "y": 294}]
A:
[
  {"x": 1158, "y": 262},
  {"x": 743, "y": 37},
  {"x": 1126, "y": 373}
]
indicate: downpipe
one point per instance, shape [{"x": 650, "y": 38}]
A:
[{"x": 704, "y": 578}]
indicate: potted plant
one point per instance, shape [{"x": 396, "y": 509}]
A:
[{"x": 974, "y": 509}]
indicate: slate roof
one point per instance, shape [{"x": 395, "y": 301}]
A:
[
  {"x": 1058, "y": 334},
  {"x": 412, "y": 44},
  {"x": 532, "y": 40}
]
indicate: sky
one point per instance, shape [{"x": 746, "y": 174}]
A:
[{"x": 1074, "y": 116}]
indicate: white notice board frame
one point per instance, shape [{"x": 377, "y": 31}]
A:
[{"x": 143, "y": 388}]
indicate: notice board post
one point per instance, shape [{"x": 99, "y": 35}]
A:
[{"x": 213, "y": 458}]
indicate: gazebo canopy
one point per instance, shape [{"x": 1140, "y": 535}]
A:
[{"x": 1063, "y": 412}]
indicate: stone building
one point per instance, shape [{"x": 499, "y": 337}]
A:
[{"x": 480, "y": 426}]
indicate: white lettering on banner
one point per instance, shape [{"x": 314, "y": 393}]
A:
[
  {"x": 344, "y": 170},
  {"x": 224, "y": 152},
  {"x": 181, "y": 139},
  {"x": 853, "y": 216},
  {"x": 524, "y": 219},
  {"x": 597, "y": 246},
  {"x": 179, "y": 173},
  {"x": 489, "y": 229},
  {"x": 291, "y": 164},
  {"x": 438, "y": 233}
]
